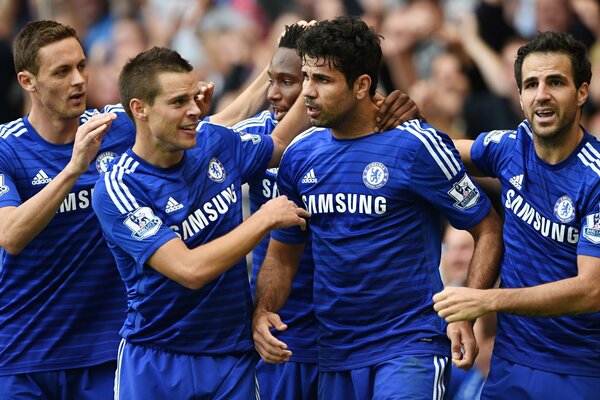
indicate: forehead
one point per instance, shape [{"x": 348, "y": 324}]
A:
[
  {"x": 322, "y": 66},
  {"x": 285, "y": 61},
  {"x": 64, "y": 51},
  {"x": 176, "y": 83},
  {"x": 543, "y": 64}
]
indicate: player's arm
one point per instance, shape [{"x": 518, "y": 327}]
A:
[
  {"x": 196, "y": 267},
  {"x": 20, "y": 225},
  {"x": 485, "y": 264},
  {"x": 579, "y": 294},
  {"x": 483, "y": 272},
  {"x": 464, "y": 149},
  {"x": 246, "y": 104},
  {"x": 273, "y": 287}
]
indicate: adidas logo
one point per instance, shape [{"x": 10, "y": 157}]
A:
[
  {"x": 172, "y": 205},
  {"x": 517, "y": 181},
  {"x": 310, "y": 177},
  {"x": 41, "y": 178}
]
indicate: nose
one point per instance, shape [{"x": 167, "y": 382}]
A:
[
  {"x": 308, "y": 89},
  {"x": 79, "y": 77},
  {"x": 542, "y": 93},
  {"x": 273, "y": 93},
  {"x": 194, "y": 112}
]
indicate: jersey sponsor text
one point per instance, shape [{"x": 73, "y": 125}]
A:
[
  {"x": 547, "y": 228},
  {"x": 207, "y": 213},
  {"x": 352, "y": 203}
]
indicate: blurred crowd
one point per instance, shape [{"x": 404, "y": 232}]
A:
[{"x": 453, "y": 57}]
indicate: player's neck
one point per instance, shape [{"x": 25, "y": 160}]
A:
[
  {"x": 557, "y": 149},
  {"x": 153, "y": 154},
  {"x": 52, "y": 128},
  {"x": 360, "y": 121}
]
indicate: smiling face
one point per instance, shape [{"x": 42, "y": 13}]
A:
[
  {"x": 174, "y": 114},
  {"x": 549, "y": 98},
  {"x": 285, "y": 81},
  {"x": 60, "y": 84}
]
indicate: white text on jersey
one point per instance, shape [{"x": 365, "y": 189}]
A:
[
  {"x": 352, "y": 203},
  {"x": 207, "y": 213}
]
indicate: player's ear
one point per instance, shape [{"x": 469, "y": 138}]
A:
[
  {"x": 138, "y": 109},
  {"x": 27, "y": 80},
  {"x": 362, "y": 86}
]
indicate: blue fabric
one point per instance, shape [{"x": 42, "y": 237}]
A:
[
  {"x": 551, "y": 217},
  {"x": 141, "y": 207},
  {"x": 89, "y": 383},
  {"x": 508, "y": 380},
  {"x": 61, "y": 299},
  {"x": 146, "y": 373},
  {"x": 376, "y": 204},
  {"x": 401, "y": 378},
  {"x": 298, "y": 311},
  {"x": 287, "y": 381}
]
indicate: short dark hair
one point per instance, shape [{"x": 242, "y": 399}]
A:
[
  {"x": 348, "y": 44},
  {"x": 556, "y": 42},
  {"x": 291, "y": 36},
  {"x": 34, "y": 36},
  {"x": 138, "y": 79}
]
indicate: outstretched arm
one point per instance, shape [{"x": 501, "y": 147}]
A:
[
  {"x": 196, "y": 267},
  {"x": 580, "y": 294},
  {"x": 20, "y": 225},
  {"x": 273, "y": 287}
]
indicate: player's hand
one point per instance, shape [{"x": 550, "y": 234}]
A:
[
  {"x": 283, "y": 213},
  {"x": 461, "y": 303},
  {"x": 87, "y": 141},
  {"x": 204, "y": 97},
  {"x": 394, "y": 110},
  {"x": 270, "y": 349},
  {"x": 463, "y": 344}
]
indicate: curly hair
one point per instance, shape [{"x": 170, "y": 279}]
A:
[{"x": 348, "y": 44}]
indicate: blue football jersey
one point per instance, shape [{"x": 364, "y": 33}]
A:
[
  {"x": 61, "y": 299},
  {"x": 141, "y": 207},
  {"x": 375, "y": 226},
  {"x": 298, "y": 311},
  {"x": 552, "y": 214}
]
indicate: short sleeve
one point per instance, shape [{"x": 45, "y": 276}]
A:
[
  {"x": 9, "y": 196},
  {"x": 128, "y": 219},
  {"x": 490, "y": 151},
  {"x": 285, "y": 183},
  {"x": 439, "y": 178}
]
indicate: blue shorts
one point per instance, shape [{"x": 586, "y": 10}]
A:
[
  {"x": 289, "y": 381},
  {"x": 147, "y": 373},
  {"x": 87, "y": 383},
  {"x": 403, "y": 377},
  {"x": 508, "y": 380}
]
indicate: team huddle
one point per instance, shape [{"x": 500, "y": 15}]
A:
[{"x": 123, "y": 243}]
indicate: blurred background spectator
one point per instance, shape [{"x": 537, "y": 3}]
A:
[{"x": 454, "y": 57}]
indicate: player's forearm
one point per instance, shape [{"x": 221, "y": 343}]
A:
[
  {"x": 567, "y": 296},
  {"x": 273, "y": 285},
  {"x": 20, "y": 225},
  {"x": 295, "y": 121},
  {"x": 485, "y": 264},
  {"x": 246, "y": 104},
  {"x": 206, "y": 262}
]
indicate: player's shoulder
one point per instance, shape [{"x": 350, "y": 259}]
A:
[
  {"x": 588, "y": 158},
  {"x": 12, "y": 130},
  {"x": 262, "y": 119},
  {"x": 418, "y": 134},
  {"x": 506, "y": 137}
]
